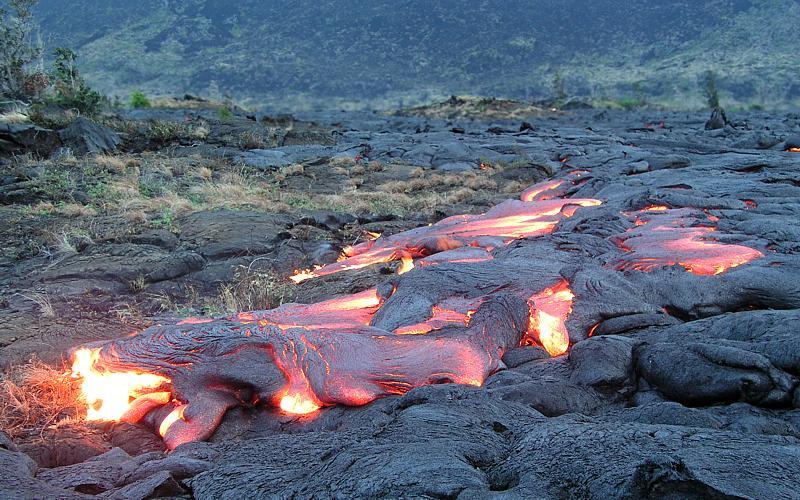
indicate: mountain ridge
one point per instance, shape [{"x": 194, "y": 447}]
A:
[{"x": 385, "y": 54}]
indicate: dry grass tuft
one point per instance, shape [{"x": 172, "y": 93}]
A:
[
  {"x": 41, "y": 300},
  {"x": 255, "y": 289},
  {"x": 342, "y": 162},
  {"x": 253, "y": 139},
  {"x": 76, "y": 210},
  {"x": 205, "y": 173},
  {"x": 439, "y": 182},
  {"x": 112, "y": 163},
  {"x": 36, "y": 396},
  {"x": 14, "y": 117},
  {"x": 288, "y": 171}
]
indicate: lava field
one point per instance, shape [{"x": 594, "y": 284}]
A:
[{"x": 620, "y": 327}]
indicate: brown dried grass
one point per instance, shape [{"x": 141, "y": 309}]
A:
[{"x": 35, "y": 397}]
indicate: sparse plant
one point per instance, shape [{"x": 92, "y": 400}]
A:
[
  {"x": 165, "y": 220},
  {"x": 56, "y": 184},
  {"x": 224, "y": 114},
  {"x": 41, "y": 300},
  {"x": 710, "y": 90},
  {"x": 255, "y": 289},
  {"x": 21, "y": 76},
  {"x": 139, "y": 100},
  {"x": 138, "y": 284},
  {"x": 35, "y": 396},
  {"x": 166, "y": 131},
  {"x": 71, "y": 90},
  {"x": 252, "y": 139},
  {"x": 559, "y": 87}
]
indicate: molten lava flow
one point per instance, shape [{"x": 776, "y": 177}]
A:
[
  {"x": 174, "y": 416},
  {"x": 108, "y": 394},
  {"x": 406, "y": 264},
  {"x": 793, "y": 150},
  {"x": 547, "y": 324},
  {"x": 459, "y": 255},
  {"x": 666, "y": 237},
  {"x": 499, "y": 226},
  {"x": 214, "y": 366},
  {"x": 342, "y": 312},
  {"x": 298, "y": 404},
  {"x": 555, "y": 188},
  {"x": 541, "y": 191},
  {"x": 451, "y": 311},
  {"x": 302, "y": 275}
]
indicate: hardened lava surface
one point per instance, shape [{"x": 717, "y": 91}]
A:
[{"x": 626, "y": 327}]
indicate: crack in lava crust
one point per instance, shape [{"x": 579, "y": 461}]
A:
[
  {"x": 508, "y": 221},
  {"x": 666, "y": 237}
]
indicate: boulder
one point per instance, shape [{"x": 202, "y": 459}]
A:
[
  {"x": 718, "y": 119},
  {"x": 84, "y": 136},
  {"x": 23, "y": 138}
]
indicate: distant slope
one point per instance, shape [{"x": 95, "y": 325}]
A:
[{"x": 322, "y": 52}]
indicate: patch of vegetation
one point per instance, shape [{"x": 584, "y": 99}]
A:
[
  {"x": 253, "y": 139},
  {"x": 47, "y": 117},
  {"x": 163, "y": 131},
  {"x": 56, "y": 184},
  {"x": 224, "y": 114},
  {"x": 139, "y": 100},
  {"x": 165, "y": 220},
  {"x": 36, "y": 396},
  {"x": 70, "y": 89},
  {"x": 255, "y": 289},
  {"x": 559, "y": 87},
  {"x": 21, "y": 77},
  {"x": 710, "y": 90}
]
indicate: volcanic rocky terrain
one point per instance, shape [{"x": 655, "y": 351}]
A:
[{"x": 589, "y": 304}]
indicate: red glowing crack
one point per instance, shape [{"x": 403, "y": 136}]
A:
[
  {"x": 667, "y": 237},
  {"x": 499, "y": 226}
]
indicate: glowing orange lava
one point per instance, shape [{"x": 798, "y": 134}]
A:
[
  {"x": 109, "y": 395},
  {"x": 547, "y": 324},
  {"x": 451, "y": 311},
  {"x": 174, "y": 416},
  {"x": 499, "y": 226},
  {"x": 541, "y": 191},
  {"x": 342, "y": 312},
  {"x": 548, "y": 190},
  {"x": 793, "y": 150},
  {"x": 666, "y": 237},
  {"x": 298, "y": 404}
]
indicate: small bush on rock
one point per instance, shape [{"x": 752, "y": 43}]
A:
[
  {"x": 71, "y": 91},
  {"x": 139, "y": 100}
]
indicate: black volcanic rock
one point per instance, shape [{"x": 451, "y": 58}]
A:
[
  {"x": 717, "y": 120},
  {"x": 84, "y": 136},
  {"x": 21, "y": 138}
]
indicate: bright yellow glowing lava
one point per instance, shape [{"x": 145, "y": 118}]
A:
[
  {"x": 174, "y": 416},
  {"x": 298, "y": 404},
  {"x": 302, "y": 275},
  {"x": 109, "y": 394},
  {"x": 406, "y": 264},
  {"x": 550, "y": 309}
]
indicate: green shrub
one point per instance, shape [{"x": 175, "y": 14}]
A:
[
  {"x": 19, "y": 78},
  {"x": 139, "y": 100},
  {"x": 71, "y": 91},
  {"x": 710, "y": 91},
  {"x": 224, "y": 113},
  {"x": 629, "y": 103}
]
